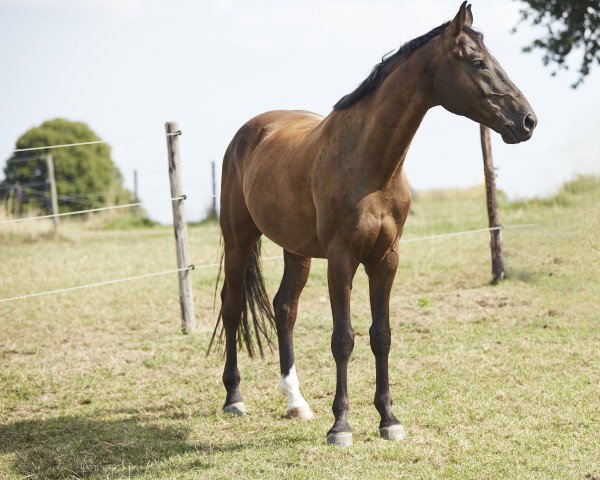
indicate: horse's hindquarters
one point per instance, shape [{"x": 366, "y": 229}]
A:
[{"x": 277, "y": 180}]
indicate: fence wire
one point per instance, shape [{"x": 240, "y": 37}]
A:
[
  {"x": 468, "y": 232},
  {"x": 213, "y": 265},
  {"x": 97, "y": 284},
  {"x": 93, "y": 142},
  {"x": 90, "y": 210}
]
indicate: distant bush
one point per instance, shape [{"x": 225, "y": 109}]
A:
[{"x": 86, "y": 176}]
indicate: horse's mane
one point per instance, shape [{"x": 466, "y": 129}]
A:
[{"x": 380, "y": 71}]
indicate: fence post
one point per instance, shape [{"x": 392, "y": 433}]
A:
[
  {"x": 492, "y": 206},
  {"x": 18, "y": 200},
  {"x": 53, "y": 193},
  {"x": 136, "y": 197},
  {"x": 186, "y": 297},
  {"x": 213, "y": 209}
]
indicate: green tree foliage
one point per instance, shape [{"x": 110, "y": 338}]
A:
[
  {"x": 86, "y": 177},
  {"x": 570, "y": 25}
]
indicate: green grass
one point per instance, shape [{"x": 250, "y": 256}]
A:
[
  {"x": 490, "y": 381},
  {"x": 131, "y": 222}
]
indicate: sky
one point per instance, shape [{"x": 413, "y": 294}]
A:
[{"x": 125, "y": 67}]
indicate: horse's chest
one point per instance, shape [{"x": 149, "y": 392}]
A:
[
  {"x": 387, "y": 210},
  {"x": 390, "y": 212},
  {"x": 375, "y": 226},
  {"x": 373, "y": 234}
]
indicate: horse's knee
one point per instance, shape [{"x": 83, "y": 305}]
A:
[
  {"x": 342, "y": 343},
  {"x": 381, "y": 339}
]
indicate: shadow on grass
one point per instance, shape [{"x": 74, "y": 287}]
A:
[
  {"x": 83, "y": 447},
  {"x": 80, "y": 447}
]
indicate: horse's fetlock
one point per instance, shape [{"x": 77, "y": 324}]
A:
[
  {"x": 382, "y": 401},
  {"x": 340, "y": 406},
  {"x": 231, "y": 379}
]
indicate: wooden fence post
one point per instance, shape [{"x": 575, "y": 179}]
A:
[
  {"x": 213, "y": 209},
  {"x": 492, "y": 206},
  {"x": 186, "y": 296},
  {"x": 136, "y": 197},
  {"x": 53, "y": 193},
  {"x": 17, "y": 200}
]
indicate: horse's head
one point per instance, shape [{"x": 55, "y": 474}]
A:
[{"x": 469, "y": 81}]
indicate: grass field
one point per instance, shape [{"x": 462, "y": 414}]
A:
[{"x": 490, "y": 381}]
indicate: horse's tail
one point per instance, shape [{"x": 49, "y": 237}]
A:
[{"x": 259, "y": 325}]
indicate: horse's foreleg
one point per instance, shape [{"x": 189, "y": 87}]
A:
[
  {"x": 381, "y": 277},
  {"x": 295, "y": 275},
  {"x": 341, "y": 268}
]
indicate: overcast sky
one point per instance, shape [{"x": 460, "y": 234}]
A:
[{"x": 127, "y": 66}]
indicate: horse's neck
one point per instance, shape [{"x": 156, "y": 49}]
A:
[{"x": 385, "y": 122}]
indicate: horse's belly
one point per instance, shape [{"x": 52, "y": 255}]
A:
[
  {"x": 286, "y": 218},
  {"x": 307, "y": 247}
]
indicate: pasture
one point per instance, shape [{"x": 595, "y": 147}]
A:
[{"x": 490, "y": 381}]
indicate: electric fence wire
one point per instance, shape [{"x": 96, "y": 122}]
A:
[{"x": 214, "y": 265}]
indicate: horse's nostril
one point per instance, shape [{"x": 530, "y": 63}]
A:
[{"x": 529, "y": 123}]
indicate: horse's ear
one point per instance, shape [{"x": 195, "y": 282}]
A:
[
  {"x": 469, "y": 19},
  {"x": 464, "y": 18}
]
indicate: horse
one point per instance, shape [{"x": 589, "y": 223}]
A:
[{"x": 335, "y": 188}]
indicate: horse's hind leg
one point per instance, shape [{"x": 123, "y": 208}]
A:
[
  {"x": 236, "y": 261},
  {"x": 295, "y": 275},
  {"x": 239, "y": 240},
  {"x": 381, "y": 277}
]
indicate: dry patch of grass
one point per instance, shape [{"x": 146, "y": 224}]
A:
[
  {"x": 26, "y": 231},
  {"x": 490, "y": 381}
]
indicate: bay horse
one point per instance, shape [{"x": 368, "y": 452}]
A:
[{"x": 335, "y": 188}]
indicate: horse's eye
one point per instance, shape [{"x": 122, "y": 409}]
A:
[{"x": 479, "y": 64}]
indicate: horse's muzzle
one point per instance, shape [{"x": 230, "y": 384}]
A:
[{"x": 520, "y": 128}]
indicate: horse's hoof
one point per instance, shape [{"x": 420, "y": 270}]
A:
[
  {"x": 340, "y": 439},
  {"x": 237, "y": 408},
  {"x": 393, "y": 432},
  {"x": 302, "y": 413}
]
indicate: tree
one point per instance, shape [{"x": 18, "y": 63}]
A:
[
  {"x": 571, "y": 25},
  {"x": 86, "y": 177}
]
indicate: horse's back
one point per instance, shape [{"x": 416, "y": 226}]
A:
[{"x": 290, "y": 126}]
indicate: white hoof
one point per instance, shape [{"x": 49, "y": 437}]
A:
[
  {"x": 340, "y": 439},
  {"x": 393, "y": 432},
  {"x": 238, "y": 408},
  {"x": 302, "y": 413}
]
